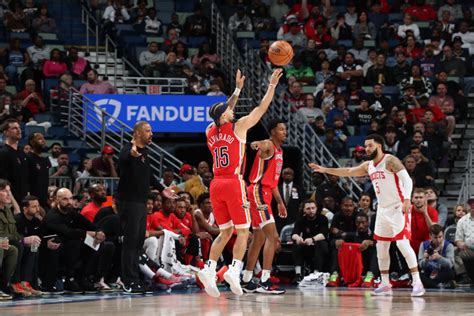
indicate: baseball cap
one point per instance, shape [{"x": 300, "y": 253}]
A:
[
  {"x": 458, "y": 39},
  {"x": 107, "y": 149},
  {"x": 359, "y": 149},
  {"x": 470, "y": 200},
  {"x": 184, "y": 168}
]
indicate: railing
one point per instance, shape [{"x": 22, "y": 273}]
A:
[
  {"x": 148, "y": 85},
  {"x": 96, "y": 127},
  {"x": 257, "y": 75},
  {"x": 109, "y": 183},
  {"x": 92, "y": 28},
  {"x": 467, "y": 186}
]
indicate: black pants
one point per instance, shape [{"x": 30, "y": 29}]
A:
[
  {"x": 444, "y": 275},
  {"x": 29, "y": 266},
  {"x": 97, "y": 264},
  {"x": 133, "y": 221},
  {"x": 64, "y": 261},
  {"x": 111, "y": 226},
  {"x": 317, "y": 253}
]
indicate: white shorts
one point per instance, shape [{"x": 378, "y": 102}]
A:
[{"x": 392, "y": 224}]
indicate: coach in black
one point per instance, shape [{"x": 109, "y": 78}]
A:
[{"x": 136, "y": 178}]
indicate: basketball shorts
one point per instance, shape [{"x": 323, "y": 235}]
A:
[
  {"x": 392, "y": 224},
  {"x": 260, "y": 205},
  {"x": 229, "y": 202}
]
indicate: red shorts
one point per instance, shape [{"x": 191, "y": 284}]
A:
[
  {"x": 260, "y": 205},
  {"x": 229, "y": 202}
]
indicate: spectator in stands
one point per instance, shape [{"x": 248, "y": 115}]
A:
[
  {"x": 451, "y": 64},
  {"x": 371, "y": 59},
  {"x": 84, "y": 171},
  {"x": 421, "y": 84},
  {"x": 77, "y": 66},
  {"x": 72, "y": 229},
  {"x": 292, "y": 195},
  {"x": 330, "y": 187},
  {"x": 63, "y": 169},
  {"x": 114, "y": 13},
  {"x": 436, "y": 260},
  {"x": 379, "y": 72},
  {"x": 326, "y": 97},
  {"x": 459, "y": 210},
  {"x": 205, "y": 52},
  {"x": 15, "y": 57},
  {"x": 55, "y": 66},
  {"x": 337, "y": 148},
  {"x": 104, "y": 165},
  {"x": 423, "y": 217},
  {"x": 446, "y": 28},
  {"x": 411, "y": 49},
  {"x": 168, "y": 178},
  {"x": 38, "y": 52},
  {"x": 464, "y": 55},
  {"x": 356, "y": 160},
  {"x": 381, "y": 104},
  {"x": 302, "y": 73},
  {"x": 13, "y": 164},
  {"x": 138, "y": 14},
  {"x": 424, "y": 173},
  {"x": 197, "y": 190},
  {"x": 401, "y": 70},
  {"x": 56, "y": 150},
  {"x": 3, "y": 91},
  {"x": 466, "y": 36},
  {"x": 464, "y": 242},
  {"x": 38, "y": 167},
  {"x": 296, "y": 98},
  {"x": 295, "y": 35},
  {"x": 363, "y": 116},
  {"x": 380, "y": 19},
  {"x": 175, "y": 25},
  {"x": 429, "y": 63},
  {"x": 278, "y": 10},
  {"x": 408, "y": 25},
  {"x": 43, "y": 23},
  {"x": 351, "y": 14},
  {"x": 360, "y": 53},
  {"x": 16, "y": 20},
  {"x": 319, "y": 126},
  {"x": 354, "y": 92},
  {"x": 197, "y": 24},
  {"x": 421, "y": 11},
  {"x": 364, "y": 28},
  {"x": 432, "y": 198},
  {"x": 340, "y": 109},
  {"x": 349, "y": 69},
  {"x": 365, "y": 205},
  {"x": 454, "y": 10},
  {"x": 324, "y": 74},
  {"x": 342, "y": 226},
  {"x": 152, "y": 24},
  {"x": 341, "y": 30},
  {"x": 9, "y": 230},
  {"x": 310, "y": 236},
  {"x": 98, "y": 198},
  {"x": 152, "y": 60},
  {"x": 309, "y": 113},
  {"x": 32, "y": 99},
  {"x": 95, "y": 86}
]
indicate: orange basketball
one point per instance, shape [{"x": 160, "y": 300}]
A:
[{"x": 280, "y": 53}]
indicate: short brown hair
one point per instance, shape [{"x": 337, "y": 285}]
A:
[
  {"x": 419, "y": 190},
  {"x": 435, "y": 229},
  {"x": 6, "y": 125}
]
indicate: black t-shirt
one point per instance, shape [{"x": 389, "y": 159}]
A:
[
  {"x": 359, "y": 237},
  {"x": 344, "y": 223},
  {"x": 310, "y": 228},
  {"x": 362, "y": 117},
  {"x": 26, "y": 227},
  {"x": 103, "y": 213},
  {"x": 71, "y": 226},
  {"x": 39, "y": 177},
  {"x": 14, "y": 168}
]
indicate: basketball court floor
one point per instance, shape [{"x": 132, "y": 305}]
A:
[{"x": 342, "y": 301}]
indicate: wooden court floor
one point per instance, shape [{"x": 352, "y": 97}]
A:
[{"x": 350, "y": 302}]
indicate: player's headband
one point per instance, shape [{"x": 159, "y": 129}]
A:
[{"x": 217, "y": 109}]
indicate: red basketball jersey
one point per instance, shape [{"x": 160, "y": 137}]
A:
[
  {"x": 267, "y": 171},
  {"x": 228, "y": 151}
]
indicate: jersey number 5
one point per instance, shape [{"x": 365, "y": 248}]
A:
[{"x": 221, "y": 156}]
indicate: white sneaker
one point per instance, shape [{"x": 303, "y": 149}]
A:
[
  {"x": 208, "y": 279},
  {"x": 383, "y": 290},
  {"x": 418, "y": 290},
  {"x": 234, "y": 281}
]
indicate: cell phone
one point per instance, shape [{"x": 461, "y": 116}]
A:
[{"x": 50, "y": 236}]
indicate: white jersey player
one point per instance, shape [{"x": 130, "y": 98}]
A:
[{"x": 393, "y": 187}]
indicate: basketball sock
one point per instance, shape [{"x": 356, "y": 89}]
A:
[
  {"x": 298, "y": 269},
  {"x": 385, "y": 279},
  {"x": 211, "y": 265},
  {"x": 236, "y": 266},
  {"x": 416, "y": 278},
  {"x": 149, "y": 274},
  {"x": 164, "y": 273},
  {"x": 257, "y": 268},
  {"x": 265, "y": 275},
  {"x": 247, "y": 276}
]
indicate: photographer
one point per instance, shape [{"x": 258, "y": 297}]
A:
[{"x": 436, "y": 260}]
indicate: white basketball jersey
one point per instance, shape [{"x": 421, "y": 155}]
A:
[{"x": 386, "y": 184}]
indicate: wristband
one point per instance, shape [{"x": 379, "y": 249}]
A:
[
  {"x": 236, "y": 92},
  {"x": 272, "y": 85}
]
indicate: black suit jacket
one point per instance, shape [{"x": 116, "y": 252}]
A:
[{"x": 296, "y": 197}]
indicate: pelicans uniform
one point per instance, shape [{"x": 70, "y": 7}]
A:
[
  {"x": 228, "y": 189},
  {"x": 263, "y": 179},
  {"x": 391, "y": 223}
]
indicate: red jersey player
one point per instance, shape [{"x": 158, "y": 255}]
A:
[
  {"x": 264, "y": 178},
  {"x": 393, "y": 186},
  {"x": 226, "y": 141}
]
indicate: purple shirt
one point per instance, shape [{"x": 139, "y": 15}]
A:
[{"x": 102, "y": 87}]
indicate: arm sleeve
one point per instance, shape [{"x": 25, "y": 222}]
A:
[{"x": 406, "y": 183}]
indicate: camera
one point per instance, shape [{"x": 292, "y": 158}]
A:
[{"x": 430, "y": 250}]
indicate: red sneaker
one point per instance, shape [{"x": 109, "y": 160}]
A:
[
  {"x": 220, "y": 274},
  {"x": 334, "y": 280}
]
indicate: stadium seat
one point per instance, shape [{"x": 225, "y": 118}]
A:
[
  {"x": 182, "y": 16},
  {"x": 76, "y": 143},
  {"x": 245, "y": 34},
  {"x": 309, "y": 89},
  {"x": 196, "y": 41},
  {"x": 353, "y": 141},
  {"x": 346, "y": 43},
  {"x": 185, "y": 6},
  {"x": 43, "y": 117},
  {"x": 57, "y": 131},
  {"x": 269, "y": 35},
  {"x": 157, "y": 39},
  {"x": 49, "y": 36},
  {"x": 29, "y": 130},
  {"x": 450, "y": 233}
]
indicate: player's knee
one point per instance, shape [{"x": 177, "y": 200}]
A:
[{"x": 226, "y": 233}]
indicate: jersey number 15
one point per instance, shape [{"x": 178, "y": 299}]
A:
[{"x": 221, "y": 156}]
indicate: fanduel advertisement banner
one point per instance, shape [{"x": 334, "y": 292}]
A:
[{"x": 165, "y": 113}]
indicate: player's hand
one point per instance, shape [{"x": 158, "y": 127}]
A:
[
  {"x": 276, "y": 75},
  {"x": 407, "y": 206},
  {"x": 308, "y": 241},
  {"x": 282, "y": 210},
  {"x": 169, "y": 194},
  {"x": 364, "y": 245},
  {"x": 182, "y": 241},
  {"x": 299, "y": 241},
  {"x": 134, "y": 151},
  {"x": 316, "y": 168},
  {"x": 239, "y": 79},
  {"x": 339, "y": 243},
  {"x": 52, "y": 245},
  {"x": 255, "y": 145}
]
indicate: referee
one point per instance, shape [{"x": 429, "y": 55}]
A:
[{"x": 136, "y": 178}]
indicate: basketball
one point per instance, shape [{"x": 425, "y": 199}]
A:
[{"x": 280, "y": 53}]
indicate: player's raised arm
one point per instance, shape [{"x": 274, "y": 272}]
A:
[
  {"x": 359, "y": 171},
  {"x": 239, "y": 84},
  {"x": 393, "y": 164},
  {"x": 248, "y": 121}
]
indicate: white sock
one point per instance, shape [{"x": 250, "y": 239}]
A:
[
  {"x": 247, "y": 276},
  {"x": 236, "y": 266},
  {"x": 257, "y": 268},
  {"x": 385, "y": 279},
  {"x": 164, "y": 273},
  {"x": 416, "y": 278},
  {"x": 298, "y": 269},
  {"x": 211, "y": 265},
  {"x": 265, "y": 275},
  {"x": 149, "y": 274}
]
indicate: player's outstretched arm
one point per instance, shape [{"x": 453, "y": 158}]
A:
[
  {"x": 249, "y": 121},
  {"x": 359, "y": 171},
  {"x": 265, "y": 148},
  {"x": 239, "y": 84}
]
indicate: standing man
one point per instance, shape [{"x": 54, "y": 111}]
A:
[
  {"x": 226, "y": 141},
  {"x": 264, "y": 178},
  {"x": 393, "y": 187},
  {"x": 136, "y": 178},
  {"x": 38, "y": 166}
]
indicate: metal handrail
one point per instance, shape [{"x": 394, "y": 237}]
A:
[
  {"x": 87, "y": 18},
  {"x": 467, "y": 186},
  {"x": 82, "y": 112},
  {"x": 139, "y": 85},
  {"x": 109, "y": 183}
]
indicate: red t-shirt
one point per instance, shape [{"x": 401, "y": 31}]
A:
[
  {"x": 32, "y": 105},
  {"x": 422, "y": 13},
  {"x": 90, "y": 210},
  {"x": 171, "y": 223},
  {"x": 187, "y": 221},
  {"x": 419, "y": 229}
]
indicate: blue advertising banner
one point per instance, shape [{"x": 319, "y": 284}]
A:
[{"x": 165, "y": 113}]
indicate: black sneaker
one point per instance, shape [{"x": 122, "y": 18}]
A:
[
  {"x": 249, "y": 287},
  {"x": 51, "y": 290},
  {"x": 133, "y": 289},
  {"x": 89, "y": 287},
  {"x": 269, "y": 288},
  {"x": 72, "y": 287}
]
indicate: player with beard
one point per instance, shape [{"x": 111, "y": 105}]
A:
[
  {"x": 98, "y": 196},
  {"x": 393, "y": 187},
  {"x": 264, "y": 178}
]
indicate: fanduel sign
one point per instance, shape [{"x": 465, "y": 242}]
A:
[{"x": 165, "y": 113}]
